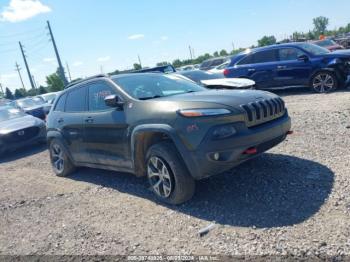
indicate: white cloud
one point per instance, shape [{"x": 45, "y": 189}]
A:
[
  {"x": 164, "y": 38},
  {"x": 49, "y": 59},
  {"x": 9, "y": 76},
  {"x": 77, "y": 63},
  {"x": 20, "y": 10},
  {"x": 136, "y": 37},
  {"x": 103, "y": 59}
]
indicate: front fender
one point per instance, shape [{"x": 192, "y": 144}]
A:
[{"x": 136, "y": 137}]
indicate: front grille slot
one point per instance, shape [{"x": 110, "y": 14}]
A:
[{"x": 262, "y": 111}]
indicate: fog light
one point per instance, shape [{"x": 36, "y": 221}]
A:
[{"x": 216, "y": 156}]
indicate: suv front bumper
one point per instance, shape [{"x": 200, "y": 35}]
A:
[{"x": 201, "y": 163}]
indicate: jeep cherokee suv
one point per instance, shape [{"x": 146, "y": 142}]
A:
[{"x": 162, "y": 126}]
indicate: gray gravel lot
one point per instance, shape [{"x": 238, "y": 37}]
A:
[{"x": 293, "y": 200}]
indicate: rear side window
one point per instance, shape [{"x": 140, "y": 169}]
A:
[
  {"x": 265, "y": 56},
  {"x": 247, "y": 60},
  {"x": 287, "y": 54},
  {"x": 97, "y": 93},
  {"x": 60, "y": 104},
  {"x": 76, "y": 100}
]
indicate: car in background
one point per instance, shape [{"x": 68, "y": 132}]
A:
[
  {"x": 220, "y": 69},
  {"x": 329, "y": 44},
  {"x": 41, "y": 101},
  {"x": 186, "y": 68},
  {"x": 292, "y": 65},
  {"x": 50, "y": 97},
  {"x": 4, "y": 101},
  {"x": 212, "y": 63},
  {"x": 19, "y": 129},
  {"x": 216, "y": 81},
  {"x": 159, "y": 69},
  {"x": 30, "y": 106}
]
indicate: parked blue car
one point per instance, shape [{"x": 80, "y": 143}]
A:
[{"x": 292, "y": 65}]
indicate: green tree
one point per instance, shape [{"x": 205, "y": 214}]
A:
[
  {"x": 320, "y": 25},
  {"x": 216, "y": 54},
  {"x": 267, "y": 40},
  {"x": 164, "y": 63},
  {"x": 137, "y": 66},
  {"x": 177, "y": 63},
  {"x": 54, "y": 82},
  {"x": 42, "y": 90},
  {"x": 31, "y": 92},
  {"x": 223, "y": 52},
  {"x": 20, "y": 93},
  {"x": 8, "y": 94}
]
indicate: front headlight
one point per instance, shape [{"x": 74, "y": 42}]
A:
[{"x": 204, "y": 112}]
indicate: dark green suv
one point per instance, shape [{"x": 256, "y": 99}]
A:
[{"x": 162, "y": 126}]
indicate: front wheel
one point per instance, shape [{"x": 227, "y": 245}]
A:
[
  {"x": 324, "y": 82},
  {"x": 61, "y": 164},
  {"x": 167, "y": 174}
]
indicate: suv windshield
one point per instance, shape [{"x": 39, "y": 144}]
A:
[
  {"x": 314, "y": 49},
  {"x": 148, "y": 86},
  {"x": 10, "y": 113},
  {"x": 325, "y": 43}
]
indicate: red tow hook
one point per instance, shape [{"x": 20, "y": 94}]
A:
[
  {"x": 290, "y": 132},
  {"x": 251, "y": 151}
]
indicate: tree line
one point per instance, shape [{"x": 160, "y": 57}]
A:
[{"x": 321, "y": 23}]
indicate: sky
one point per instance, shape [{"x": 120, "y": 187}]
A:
[{"x": 105, "y": 35}]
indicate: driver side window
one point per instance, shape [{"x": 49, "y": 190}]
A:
[{"x": 97, "y": 93}]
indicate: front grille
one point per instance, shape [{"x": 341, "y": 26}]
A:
[
  {"x": 21, "y": 135},
  {"x": 262, "y": 111}
]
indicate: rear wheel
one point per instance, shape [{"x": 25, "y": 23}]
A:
[
  {"x": 324, "y": 82},
  {"x": 167, "y": 175},
  {"x": 61, "y": 164}
]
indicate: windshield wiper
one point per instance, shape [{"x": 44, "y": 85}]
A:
[{"x": 150, "y": 97}]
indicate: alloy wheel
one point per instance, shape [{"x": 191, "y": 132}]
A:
[
  {"x": 57, "y": 156},
  {"x": 159, "y": 177},
  {"x": 323, "y": 83}
]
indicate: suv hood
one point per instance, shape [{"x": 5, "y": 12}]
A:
[{"x": 226, "y": 97}]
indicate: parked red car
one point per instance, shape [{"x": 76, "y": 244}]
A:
[{"x": 329, "y": 44}]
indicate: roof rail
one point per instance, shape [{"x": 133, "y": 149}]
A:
[{"x": 85, "y": 79}]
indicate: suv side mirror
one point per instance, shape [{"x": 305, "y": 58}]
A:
[
  {"x": 304, "y": 58},
  {"x": 114, "y": 101}
]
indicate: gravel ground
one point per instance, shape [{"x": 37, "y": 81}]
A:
[{"x": 293, "y": 200}]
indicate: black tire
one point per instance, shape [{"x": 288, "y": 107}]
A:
[
  {"x": 324, "y": 82},
  {"x": 181, "y": 183},
  {"x": 67, "y": 165}
]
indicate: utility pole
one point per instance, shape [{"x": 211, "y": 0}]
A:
[
  {"x": 70, "y": 77},
  {"x": 2, "y": 90},
  {"x": 35, "y": 85},
  {"x": 61, "y": 70},
  {"x": 27, "y": 67},
  {"x": 189, "y": 47},
  {"x": 18, "y": 69},
  {"x": 138, "y": 56}
]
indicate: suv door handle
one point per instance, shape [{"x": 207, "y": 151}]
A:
[
  {"x": 89, "y": 120},
  {"x": 281, "y": 67},
  {"x": 60, "y": 120},
  {"x": 251, "y": 70}
]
